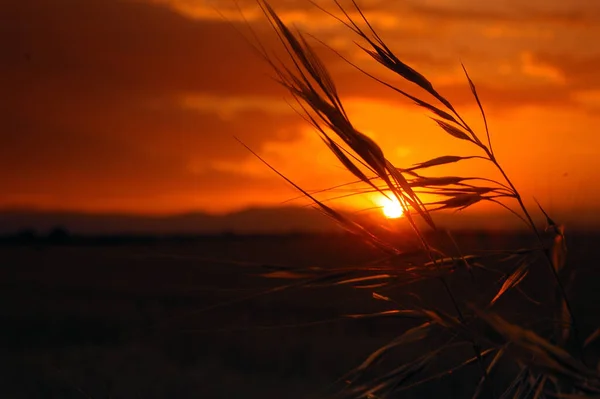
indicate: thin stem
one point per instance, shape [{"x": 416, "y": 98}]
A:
[
  {"x": 535, "y": 230},
  {"x": 510, "y": 210}
]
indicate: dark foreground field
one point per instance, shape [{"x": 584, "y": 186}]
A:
[{"x": 177, "y": 319}]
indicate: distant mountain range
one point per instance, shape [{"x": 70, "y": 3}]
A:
[
  {"x": 254, "y": 220},
  {"x": 249, "y": 221}
]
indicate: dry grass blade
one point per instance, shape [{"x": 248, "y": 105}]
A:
[
  {"x": 370, "y": 152},
  {"x": 592, "y": 337},
  {"x": 382, "y": 54},
  {"x": 474, "y": 91},
  {"x": 539, "y": 353},
  {"x": 558, "y": 257},
  {"x": 444, "y": 320},
  {"x": 439, "y": 112},
  {"x": 363, "y": 279},
  {"x": 556, "y": 261},
  {"x": 512, "y": 254},
  {"x": 329, "y": 278},
  {"x": 430, "y": 107},
  {"x": 437, "y": 181},
  {"x": 523, "y": 390},
  {"x": 458, "y": 189},
  {"x": 347, "y": 162},
  {"x": 489, "y": 370},
  {"x": 320, "y": 72},
  {"x": 443, "y": 160},
  {"x": 317, "y": 126},
  {"x": 371, "y": 286},
  {"x": 459, "y": 202},
  {"x": 481, "y": 190},
  {"x": 451, "y": 260},
  {"x": 390, "y": 61},
  {"x": 443, "y": 192},
  {"x": 559, "y": 251},
  {"x": 516, "y": 383},
  {"x": 413, "y": 314},
  {"x": 512, "y": 280},
  {"x": 445, "y": 373},
  {"x": 453, "y": 130},
  {"x": 411, "y": 335},
  {"x": 540, "y": 387},
  {"x": 304, "y": 54},
  {"x": 388, "y": 382},
  {"x": 382, "y": 297},
  {"x": 549, "y": 221}
]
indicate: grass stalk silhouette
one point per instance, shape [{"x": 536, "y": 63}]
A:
[{"x": 546, "y": 364}]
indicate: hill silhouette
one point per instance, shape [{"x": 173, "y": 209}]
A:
[{"x": 248, "y": 221}]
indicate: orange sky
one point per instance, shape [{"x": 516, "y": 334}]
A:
[{"x": 132, "y": 105}]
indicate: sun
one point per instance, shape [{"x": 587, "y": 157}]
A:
[{"x": 391, "y": 208}]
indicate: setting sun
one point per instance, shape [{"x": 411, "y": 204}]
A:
[{"x": 391, "y": 208}]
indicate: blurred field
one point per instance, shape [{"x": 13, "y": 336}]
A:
[{"x": 195, "y": 318}]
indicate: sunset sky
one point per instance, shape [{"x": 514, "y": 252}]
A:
[{"x": 132, "y": 105}]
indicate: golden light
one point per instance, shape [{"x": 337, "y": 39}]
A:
[{"x": 391, "y": 208}]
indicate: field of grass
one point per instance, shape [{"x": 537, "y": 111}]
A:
[{"x": 199, "y": 319}]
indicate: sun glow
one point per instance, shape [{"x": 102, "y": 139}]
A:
[{"x": 391, "y": 208}]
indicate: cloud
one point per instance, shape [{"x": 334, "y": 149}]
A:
[
  {"x": 579, "y": 70},
  {"x": 532, "y": 67},
  {"x": 98, "y": 105},
  {"x": 135, "y": 103},
  {"x": 109, "y": 47},
  {"x": 392, "y": 14}
]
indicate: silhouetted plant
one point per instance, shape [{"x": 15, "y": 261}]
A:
[{"x": 548, "y": 359}]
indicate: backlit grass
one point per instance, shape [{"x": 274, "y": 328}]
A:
[{"x": 544, "y": 358}]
